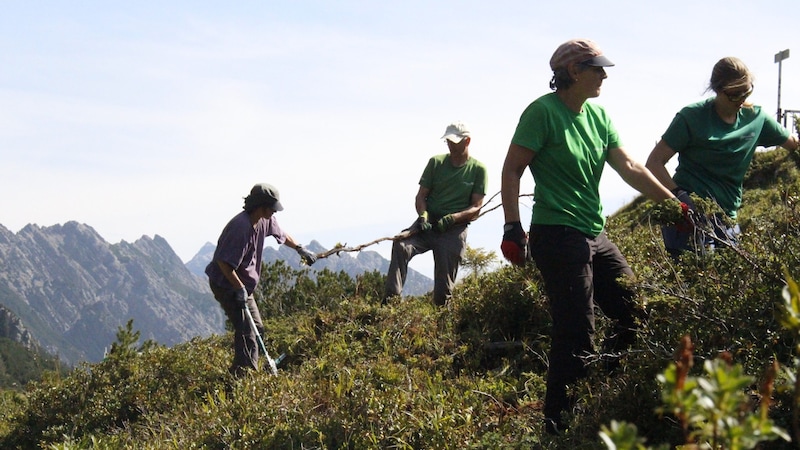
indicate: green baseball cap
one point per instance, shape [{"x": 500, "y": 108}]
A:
[{"x": 263, "y": 194}]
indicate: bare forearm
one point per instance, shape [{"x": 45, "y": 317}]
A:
[
  {"x": 467, "y": 215},
  {"x": 644, "y": 181},
  {"x": 638, "y": 176},
  {"x": 517, "y": 160},
  {"x": 662, "y": 175},
  {"x": 657, "y": 164},
  {"x": 421, "y": 200},
  {"x": 290, "y": 242},
  {"x": 793, "y": 143},
  {"x": 230, "y": 274},
  {"x": 421, "y": 206},
  {"x": 509, "y": 194}
]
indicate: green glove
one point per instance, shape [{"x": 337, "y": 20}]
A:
[
  {"x": 445, "y": 223},
  {"x": 422, "y": 223}
]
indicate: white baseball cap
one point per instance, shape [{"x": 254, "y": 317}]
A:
[{"x": 456, "y": 132}]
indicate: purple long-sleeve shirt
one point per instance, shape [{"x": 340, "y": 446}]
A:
[{"x": 241, "y": 245}]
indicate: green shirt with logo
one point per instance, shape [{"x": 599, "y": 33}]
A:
[
  {"x": 570, "y": 154},
  {"x": 713, "y": 156},
  {"x": 451, "y": 187}
]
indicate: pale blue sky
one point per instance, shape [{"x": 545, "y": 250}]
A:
[{"x": 157, "y": 117}]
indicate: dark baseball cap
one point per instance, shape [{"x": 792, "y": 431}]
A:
[{"x": 263, "y": 194}]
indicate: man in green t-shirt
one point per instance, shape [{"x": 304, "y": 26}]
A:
[{"x": 451, "y": 192}]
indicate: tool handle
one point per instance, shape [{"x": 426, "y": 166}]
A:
[{"x": 272, "y": 366}]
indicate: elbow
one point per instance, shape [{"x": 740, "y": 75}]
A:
[
  {"x": 653, "y": 163},
  {"x": 510, "y": 177}
]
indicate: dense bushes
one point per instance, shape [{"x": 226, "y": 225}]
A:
[
  {"x": 19, "y": 365},
  {"x": 364, "y": 376},
  {"x": 470, "y": 375}
]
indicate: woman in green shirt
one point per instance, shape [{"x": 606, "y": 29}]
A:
[
  {"x": 566, "y": 142},
  {"x": 715, "y": 140}
]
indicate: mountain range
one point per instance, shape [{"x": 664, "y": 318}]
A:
[{"x": 65, "y": 290}]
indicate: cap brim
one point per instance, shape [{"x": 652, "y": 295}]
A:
[
  {"x": 454, "y": 138},
  {"x": 598, "y": 61},
  {"x": 277, "y": 206}
]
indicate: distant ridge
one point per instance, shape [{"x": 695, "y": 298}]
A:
[{"x": 71, "y": 291}]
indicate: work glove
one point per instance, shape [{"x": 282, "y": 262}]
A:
[
  {"x": 684, "y": 197},
  {"x": 421, "y": 224},
  {"x": 306, "y": 256},
  {"x": 687, "y": 208},
  {"x": 515, "y": 243},
  {"x": 444, "y": 223},
  {"x": 240, "y": 297}
]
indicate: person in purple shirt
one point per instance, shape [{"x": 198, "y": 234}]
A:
[{"x": 234, "y": 271}]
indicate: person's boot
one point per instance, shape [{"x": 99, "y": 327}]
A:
[
  {"x": 553, "y": 426},
  {"x": 555, "y": 402}
]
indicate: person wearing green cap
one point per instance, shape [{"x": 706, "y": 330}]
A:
[
  {"x": 450, "y": 196},
  {"x": 234, "y": 271}
]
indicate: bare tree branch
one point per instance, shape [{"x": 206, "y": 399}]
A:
[
  {"x": 338, "y": 248},
  {"x": 344, "y": 248}
]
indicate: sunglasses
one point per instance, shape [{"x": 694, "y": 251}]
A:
[{"x": 738, "y": 97}]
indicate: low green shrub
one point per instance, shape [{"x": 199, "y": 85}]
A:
[{"x": 360, "y": 375}]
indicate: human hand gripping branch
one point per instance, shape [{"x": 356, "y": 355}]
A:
[{"x": 339, "y": 248}]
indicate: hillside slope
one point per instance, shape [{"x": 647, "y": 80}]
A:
[{"x": 408, "y": 375}]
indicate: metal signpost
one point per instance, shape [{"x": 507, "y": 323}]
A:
[{"x": 779, "y": 57}]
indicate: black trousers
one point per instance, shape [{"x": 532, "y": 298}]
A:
[{"x": 580, "y": 272}]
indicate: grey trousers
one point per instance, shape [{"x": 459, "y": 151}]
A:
[
  {"x": 448, "y": 251},
  {"x": 245, "y": 343}
]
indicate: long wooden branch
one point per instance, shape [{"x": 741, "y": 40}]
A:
[{"x": 338, "y": 248}]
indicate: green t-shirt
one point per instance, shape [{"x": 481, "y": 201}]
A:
[
  {"x": 713, "y": 156},
  {"x": 570, "y": 154},
  {"x": 452, "y": 187}
]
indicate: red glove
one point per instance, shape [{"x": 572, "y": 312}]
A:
[
  {"x": 687, "y": 207},
  {"x": 515, "y": 243},
  {"x": 687, "y": 224}
]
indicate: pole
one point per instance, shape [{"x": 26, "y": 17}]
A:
[
  {"x": 272, "y": 366},
  {"x": 779, "y": 57},
  {"x": 780, "y": 66}
]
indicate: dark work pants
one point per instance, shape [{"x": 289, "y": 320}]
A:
[
  {"x": 245, "y": 344},
  {"x": 448, "y": 250},
  {"x": 676, "y": 241},
  {"x": 579, "y": 272}
]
